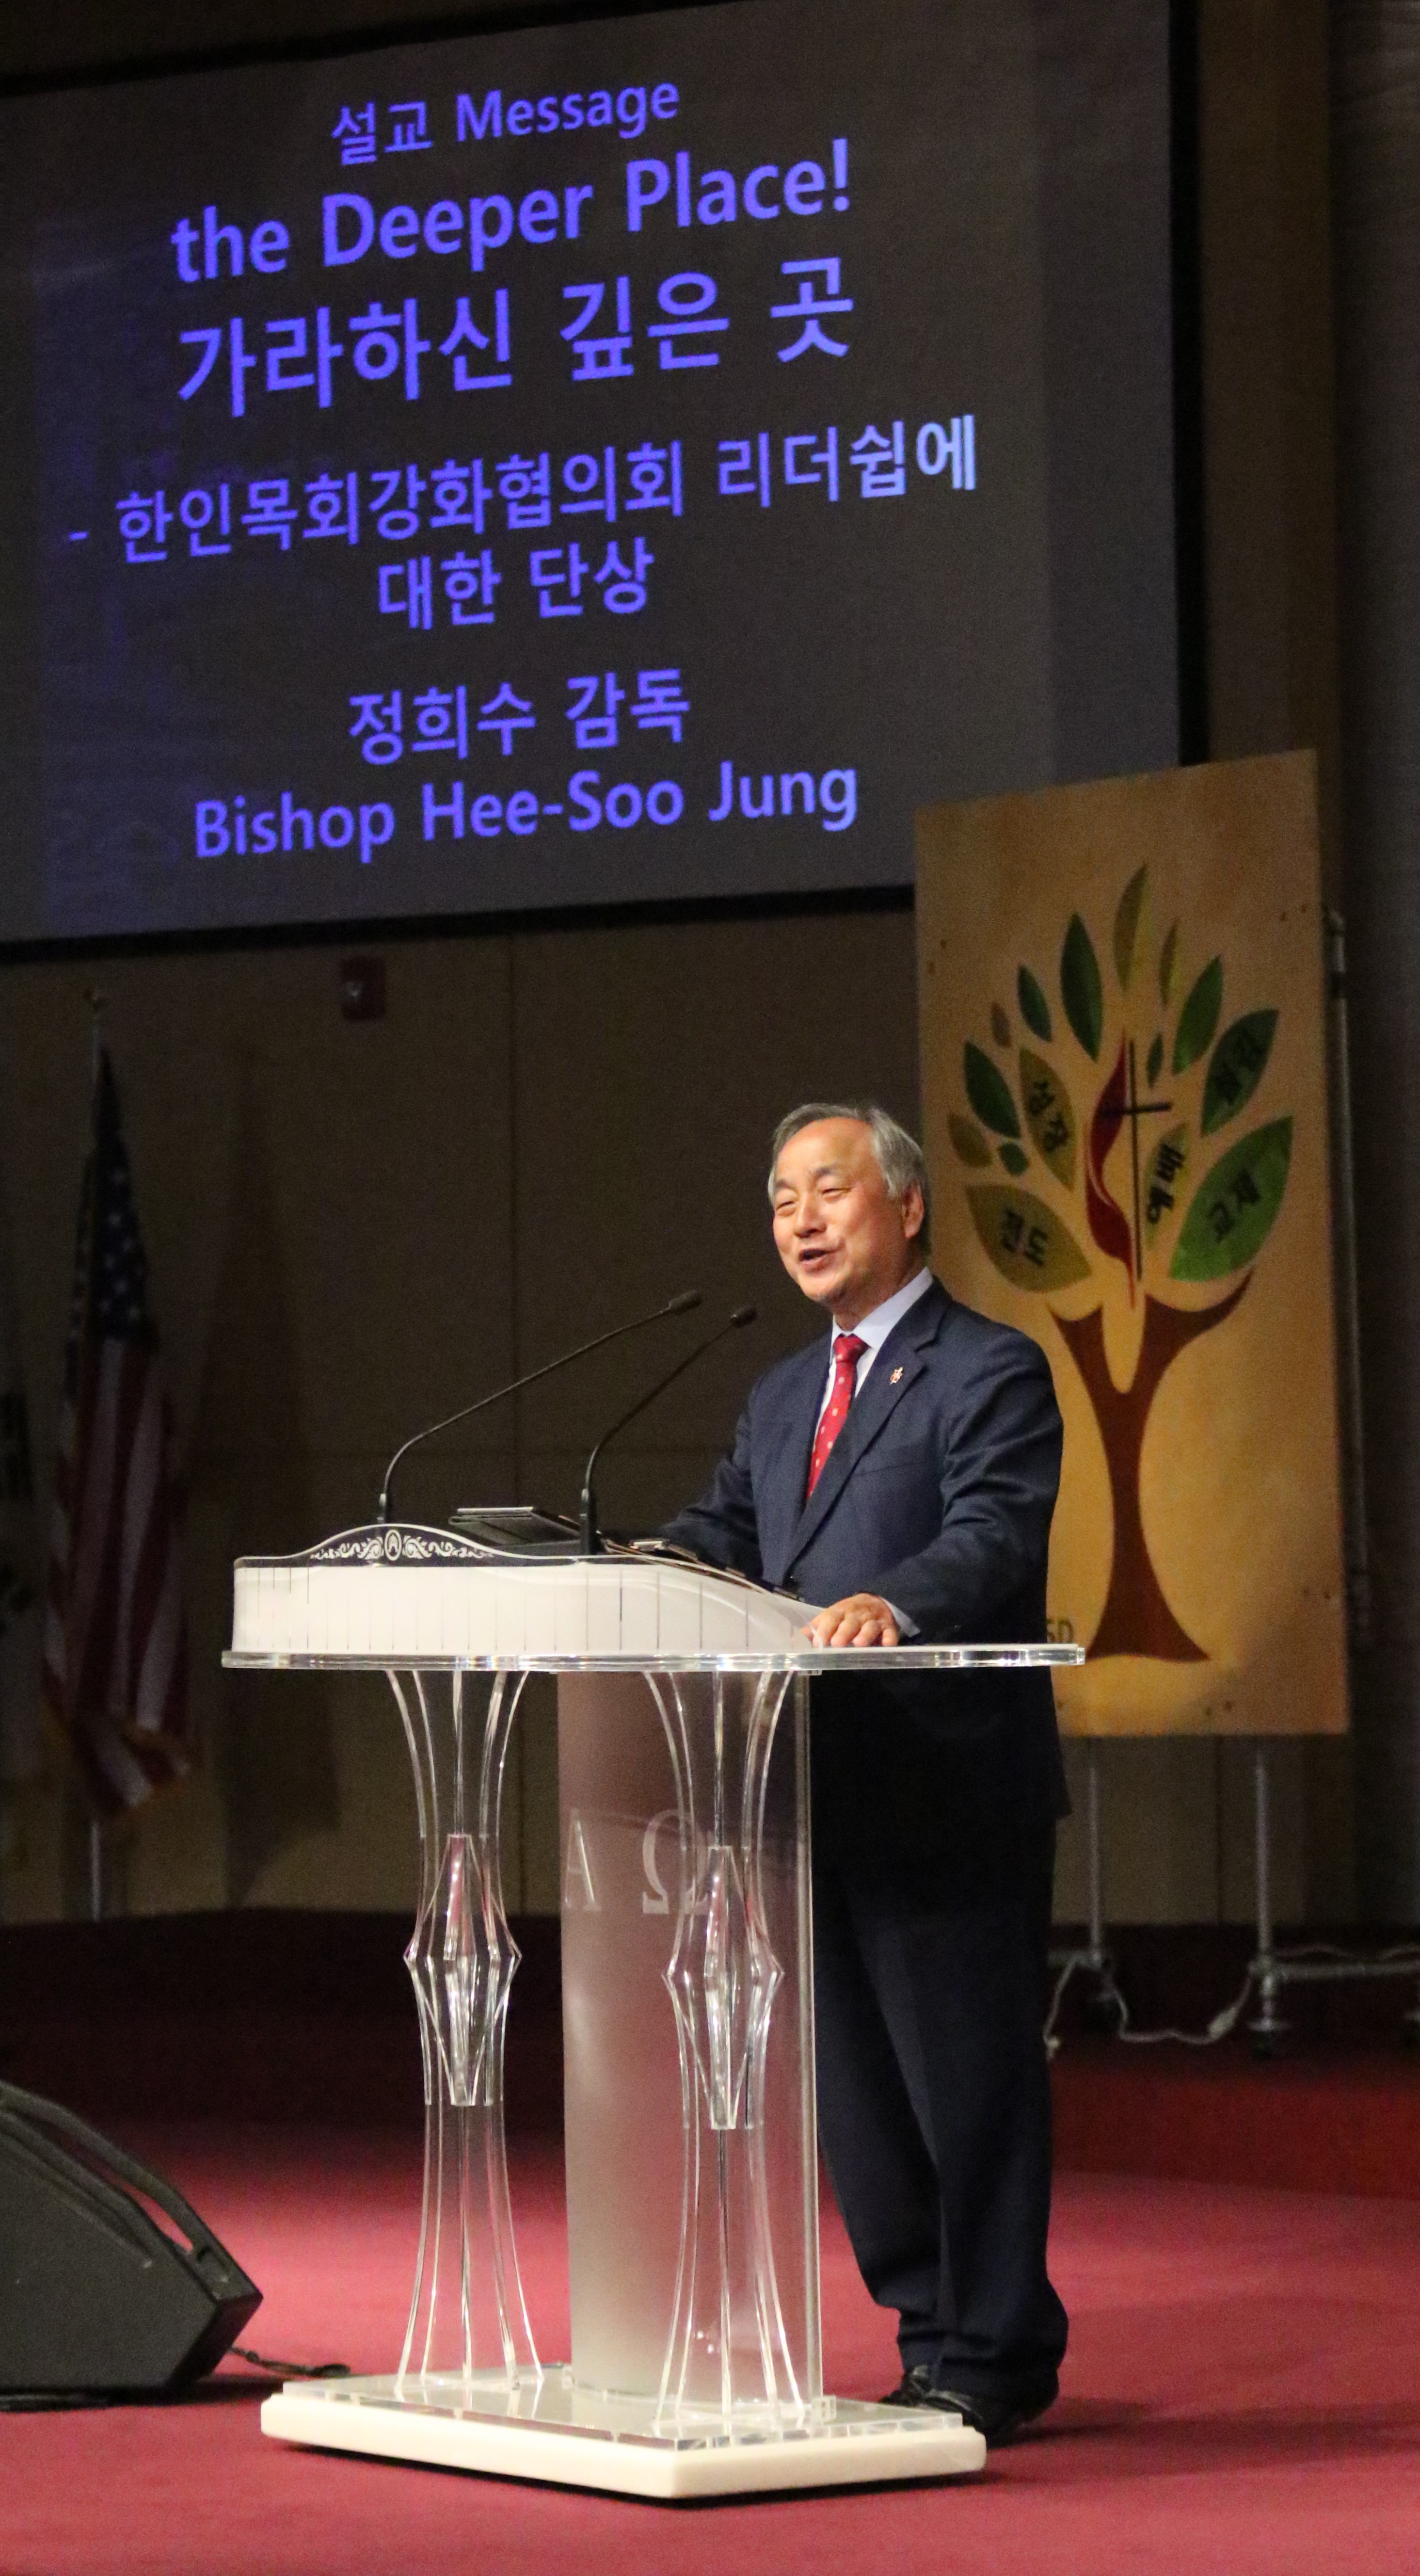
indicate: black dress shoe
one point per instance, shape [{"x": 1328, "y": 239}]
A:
[{"x": 997, "y": 2416}]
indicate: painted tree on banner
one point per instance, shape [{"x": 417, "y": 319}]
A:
[{"x": 1114, "y": 1165}]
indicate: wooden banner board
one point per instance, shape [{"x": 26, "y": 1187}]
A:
[{"x": 1124, "y": 1094}]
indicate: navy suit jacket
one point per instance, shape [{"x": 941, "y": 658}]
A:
[{"x": 938, "y": 1495}]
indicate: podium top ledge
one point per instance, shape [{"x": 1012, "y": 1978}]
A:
[
  {"x": 809, "y": 1660},
  {"x": 406, "y": 1599}
]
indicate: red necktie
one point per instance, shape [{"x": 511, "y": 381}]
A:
[{"x": 847, "y": 1351}]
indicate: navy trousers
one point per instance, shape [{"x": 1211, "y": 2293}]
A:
[{"x": 934, "y": 2101}]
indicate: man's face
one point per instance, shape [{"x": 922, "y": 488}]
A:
[{"x": 840, "y": 1236}]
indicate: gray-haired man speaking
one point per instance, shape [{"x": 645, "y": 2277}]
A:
[{"x": 905, "y": 1474}]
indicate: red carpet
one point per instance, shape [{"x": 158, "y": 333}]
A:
[
  {"x": 1341, "y": 2120},
  {"x": 1242, "y": 2395}
]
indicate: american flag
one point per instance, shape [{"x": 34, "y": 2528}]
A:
[{"x": 115, "y": 1641}]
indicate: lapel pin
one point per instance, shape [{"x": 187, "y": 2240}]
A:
[{"x": 892, "y": 1381}]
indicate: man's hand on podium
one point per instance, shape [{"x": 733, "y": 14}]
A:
[{"x": 862, "y": 1620}]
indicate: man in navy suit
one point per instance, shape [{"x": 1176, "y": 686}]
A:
[{"x": 905, "y": 1474}]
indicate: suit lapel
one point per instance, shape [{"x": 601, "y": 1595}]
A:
[
  {"x": 898, "y": 1365},
  {"x": 781, "y": 1498}
]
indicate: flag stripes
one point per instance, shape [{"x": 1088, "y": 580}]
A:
[{"x": 115, "y": 1658}]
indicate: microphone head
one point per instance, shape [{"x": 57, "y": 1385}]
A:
[
  {"x": 744, "y": 1315},
  {"x": 684, "y": 1304}
]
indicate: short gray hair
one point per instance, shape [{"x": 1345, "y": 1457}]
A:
[{"x": 900, "y": 1158}]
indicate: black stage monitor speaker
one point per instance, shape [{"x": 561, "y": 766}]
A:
[{"x": 97, "y": 2299}]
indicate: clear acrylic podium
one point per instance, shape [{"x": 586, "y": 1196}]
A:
[{"x": 691, "y": 2155}]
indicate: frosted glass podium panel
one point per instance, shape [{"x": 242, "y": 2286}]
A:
[
  {"x": 692, "y": 2188},
  {"x": 687, "y": 1959}
]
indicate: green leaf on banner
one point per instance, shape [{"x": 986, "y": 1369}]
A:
[
  {"x": 1015, "y": 1161},
  {"x": 1000, "y": 1025},
  {"x": 1156, "y": 1062},
  {"x": 1028, "y": 1245},
  {"x": 1238, "y": 1065},
  {"x": 1080, "y": 988},
  {"x": 1035, "y": 1010},
  {"x": 1126, "y": 926},
  {"x": 989, "y": 1094},
  {"x": 1163, "y": 1174},
  {"x": 1049, "y": 1116},
  {"x": 971, "y": 1145},
  {"x": 1199, "y": 1017},
  {"x": 1167, "y": 962},
  {"x": 1236, "y": 1208}
]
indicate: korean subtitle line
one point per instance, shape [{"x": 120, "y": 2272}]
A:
[
  {"x": 746, "y": 466},
  {"x": 440, "y": 715},
  {"x": 400, "y": 500},
  {"x": 532, "y": 491},
  {"x": 300, "y": 353},
  {"x": 660, "y": 705},
  {"x": 622, "y": 585},
  {"x": 808, "y": 308}
]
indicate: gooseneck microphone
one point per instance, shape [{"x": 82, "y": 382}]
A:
[
  {"x": 681, "y": 1305},
  {"x": 591, "y": 1536}
]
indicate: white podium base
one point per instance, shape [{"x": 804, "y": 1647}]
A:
[{"x": 571, "y": 2436}]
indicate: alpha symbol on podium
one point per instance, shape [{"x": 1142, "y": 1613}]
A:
[{"x": 579, "y": 1895}]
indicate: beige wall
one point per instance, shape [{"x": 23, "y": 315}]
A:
[{"x": 349, "y": 1225}]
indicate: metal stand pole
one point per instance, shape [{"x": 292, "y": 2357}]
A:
[
  {"x": 1268, "y": 2029},
  {"x": 1348, "y": 1296},
  {"x": 1096, "y": 1957},
  {"x": 1317, "y": 1965},
  {"x": 96, "y": 1873},
  {"x": 1103, "y": 2006}
]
